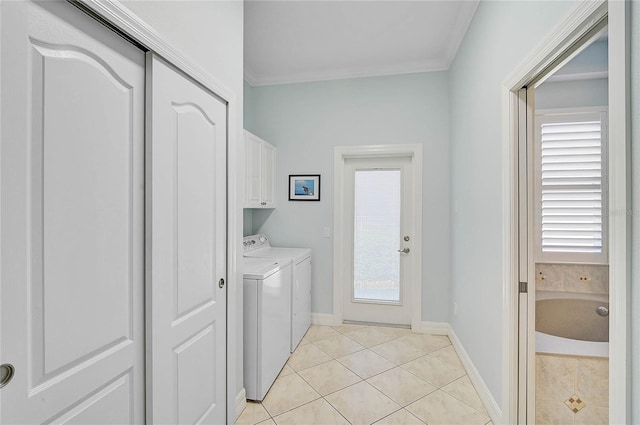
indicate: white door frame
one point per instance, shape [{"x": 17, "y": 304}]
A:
[
  {"x": 576, "y": 25},
  {"x": 124, "y": 20},
  {"x": 341, "y": 270}
]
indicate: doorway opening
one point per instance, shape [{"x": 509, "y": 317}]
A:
[
  {"x": 377, "y": 228},
  {"x": 565, "y": 249}
]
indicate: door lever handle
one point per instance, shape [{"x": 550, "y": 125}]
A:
[{"x": 404, "y": 250}]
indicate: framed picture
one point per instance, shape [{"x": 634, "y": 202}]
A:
[{"x": 304, "y": 187}]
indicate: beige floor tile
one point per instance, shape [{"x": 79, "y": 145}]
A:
[
  {"x": 362, "y": 404},
  {"x": 347, "y": 327},
  {"x": 318, "y": 333},
  {"x": 288, "y": 393},
  {"x": 401, "y": 386},
  {"x": 401, "y": 417},
  {"x": 463, "y": 390},
  {"x": 307, "y": 356},
  {"x": 368, "y": 336},
  {"x": 592, "y": 381},
  {"x": 440, "y": 408},
  {"x": 338, "y": 346},
  {"x": 554, "y": 412},
  {"x": 592, "y": 415},
  {"x": 449, "y": 356},
  {"x": 555, "y": 377},
  {"x": 267, "y": 422},
  {"x": 329, "y": 377},
  {"x": 425, "y": 342},
  {"x": 366, "y": 363},
  {"x": 252, "y": 414},
  {"x": 397, "y": 351},
  {"x": 286, "y": 370},
  {"x": 317, "y": 412},
  {"x": 434, "y": 371},
  {"x": 393, "y": 331}
]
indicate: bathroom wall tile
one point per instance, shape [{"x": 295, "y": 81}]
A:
[
  {"x": 549, "y": 277},
  {"x": 555, "y": 377},
  {"x": 592, "y": 415},
  {"x": 596, "y": 283},
  {"x": 592, "y": 383},
  {"x": 553, "y": 412}
]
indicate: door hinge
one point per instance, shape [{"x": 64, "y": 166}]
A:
[{"x": 523, "y": 287}]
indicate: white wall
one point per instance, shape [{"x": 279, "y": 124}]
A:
[
  {"x": 501, "y": 35},
  {"x": 635, "y": 218},
  {"x": 305, "y": 121},
  {"x": 210, "y": 35}
]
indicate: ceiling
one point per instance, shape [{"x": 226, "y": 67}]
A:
[{"x": 294, "y": 41}]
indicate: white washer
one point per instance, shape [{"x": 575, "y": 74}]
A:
[
  {"x": 258, "y": 246},
  {"x": 267, "y": 318}
]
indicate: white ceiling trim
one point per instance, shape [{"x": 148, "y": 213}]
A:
[{"x": 459, "y": 31}]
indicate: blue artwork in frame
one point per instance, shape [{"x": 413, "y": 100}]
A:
[{"x": 304, "y": 187}]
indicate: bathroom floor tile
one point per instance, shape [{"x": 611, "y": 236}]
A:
[
  {"x": 345, "y": 328},
  {"x": 316, "y": 412},
  {"x": 286, "y": 370},
  {"x": 553, "y": 412},
  {"x": 338, "y": 346},
  {"x": 318, "y": 333},
  {"x": 401, "y": 386},
  {"x": 393, "y": 331},
  {"x": 362, "y": 404},
  {"x": 307, "y": 356},
  {"x": 329, "y": 377},
  {"x": 463, "y": 390},
  {"x": 555, "y": 377},
  {"x": 425, "y": 342},
  {"x": 252, "y": 414},
  {"x": 441, "y": 408},
  {"x": 397, "y": 351},
  {"x": 449, "y": 356},
  {"x": 401, "y": 417},
  {"x": 287, "y": 393},
  {"x": 433, "y": 370},
  {"x": 592, "y": 380},
  {"x": 592, "y": 415},
  {"x": 369, "y": 336},
  {"x": 366, "y": 363}
]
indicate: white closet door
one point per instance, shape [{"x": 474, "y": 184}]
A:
[
  {"x": 72, "y": 198},
  {"x": 186, "y": 254}
]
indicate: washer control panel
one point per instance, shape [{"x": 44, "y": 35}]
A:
[{"x": 250, "y": 243}]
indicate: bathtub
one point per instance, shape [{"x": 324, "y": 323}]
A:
[{"x": 567, "y": 323}]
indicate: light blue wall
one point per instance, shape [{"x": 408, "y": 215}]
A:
[
  {"x": 305, "y": 121},
  {"x": 501, "y": 35}
]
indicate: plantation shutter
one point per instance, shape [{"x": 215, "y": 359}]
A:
[{"x": 572, "y": 181}]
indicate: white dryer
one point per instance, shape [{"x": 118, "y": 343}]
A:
[
  {"x": 258, "y": 246},
  {"x": 267, "y": 319}
]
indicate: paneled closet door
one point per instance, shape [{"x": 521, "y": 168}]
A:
[
  {"x": 186, "y": 253},
  {"x": 72, "y": 214}
]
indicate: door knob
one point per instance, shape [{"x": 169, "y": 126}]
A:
[
  {"x": 221, "y": 283},
  {"x": 6, "y": 374},
  {"x": 404, "y": 250}
]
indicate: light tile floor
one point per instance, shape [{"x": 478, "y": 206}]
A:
[{"x": 357, "y": 374}]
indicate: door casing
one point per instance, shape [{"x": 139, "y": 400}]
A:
[
  {"x": 341, "y": 270},
  {"x": 578, "y": 24}
]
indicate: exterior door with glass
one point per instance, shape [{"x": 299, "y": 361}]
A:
[{"x": 379, "y": 234}]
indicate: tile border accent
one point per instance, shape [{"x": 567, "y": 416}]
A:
[
  {"x": 493, "y": 409},
  {"x": 241, "y": 403}
]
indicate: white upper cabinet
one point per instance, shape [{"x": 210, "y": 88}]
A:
[{"x": 260, "y": 172}]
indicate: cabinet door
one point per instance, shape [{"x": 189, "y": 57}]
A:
[
  {"x": 268, "y": 175},
  {"x": 253, "y": 164}
]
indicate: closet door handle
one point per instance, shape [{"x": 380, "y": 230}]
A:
[{"x": 404, "y": 250}]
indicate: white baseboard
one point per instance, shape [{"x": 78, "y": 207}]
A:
[
  {"x": 481, "y": 388},
  {"x": 241, "y": 403},
  {"x": 324, "y": 319},
  {"x": 433, "y": 328}
]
